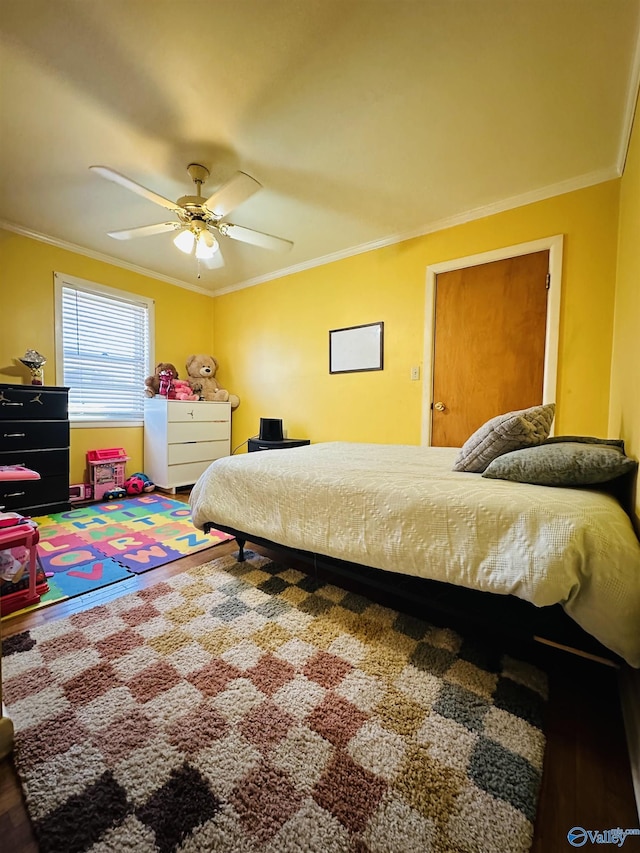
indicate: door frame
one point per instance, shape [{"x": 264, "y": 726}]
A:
[{"x": 552, "y": 335}]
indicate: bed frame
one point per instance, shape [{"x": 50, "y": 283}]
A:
[{"x": 465, "y": 610}]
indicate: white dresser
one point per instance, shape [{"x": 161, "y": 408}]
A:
[{"x": 182, "y": 439}]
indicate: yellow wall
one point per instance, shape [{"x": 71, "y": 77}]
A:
[
  {"x": 273, "y": 338},
  {"x": 624, "y": 417},
  {"x": 184, "y": 323}
]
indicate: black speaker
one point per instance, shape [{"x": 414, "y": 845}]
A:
[{"x": 271, "y": 429}]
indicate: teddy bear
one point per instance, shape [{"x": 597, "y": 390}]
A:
[
  {"x": 164, "y": 371},
  {"x": 201, "y": 370}
]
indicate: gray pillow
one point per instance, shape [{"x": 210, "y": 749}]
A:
[
  {"x": 562, "y": 464},
  {"x": 586, "y": 439},
  {"x": 504, "y": 433}
]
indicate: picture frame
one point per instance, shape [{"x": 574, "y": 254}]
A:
[{"x": 356, "y": 349}]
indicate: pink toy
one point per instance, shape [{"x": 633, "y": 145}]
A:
[
  {"x": 153, "y": 382},
  {"x": 166, "y": 384},
  {"x": 13, "y": 563},
  {"x": 106, "y": 468},
  {"x": 17, "y": 472},
  {"x": 183, "y": 390},
  {"x": 18, "y": 554}
]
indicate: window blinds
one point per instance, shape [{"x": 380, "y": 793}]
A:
[{"x": 106, "y": 355}]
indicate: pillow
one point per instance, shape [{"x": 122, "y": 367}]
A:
[
  {"x": 567, "y": 463},
  {"x": 587, "y": 439},
  {"x": 503, "y": 433}
]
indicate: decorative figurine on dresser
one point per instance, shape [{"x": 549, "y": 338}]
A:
[
  {"x": 35, "y": 362},
  {"x": 34, "y": 432}
]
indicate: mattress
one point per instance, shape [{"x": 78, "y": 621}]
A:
[{"x": 403, "y": 509}]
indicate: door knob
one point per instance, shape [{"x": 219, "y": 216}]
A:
[{"x": 439, "y": 407}]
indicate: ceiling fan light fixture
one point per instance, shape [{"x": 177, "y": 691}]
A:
[
  {"x": 199, "y": 217},
  {"x": 207, "y": 246},
  {"x": 184, "y": 240}
]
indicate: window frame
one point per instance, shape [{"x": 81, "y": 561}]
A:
[{"x": 60, "y": 281}]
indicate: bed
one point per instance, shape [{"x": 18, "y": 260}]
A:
[{"x": 402, "y": 510}]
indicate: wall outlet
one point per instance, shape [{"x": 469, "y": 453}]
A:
[{"x": 415, "y": 373}]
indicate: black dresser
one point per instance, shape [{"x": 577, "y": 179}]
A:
[{"x": 34, "y": 432}]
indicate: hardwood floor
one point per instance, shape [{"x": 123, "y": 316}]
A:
[{"x": 586, "y": 780}]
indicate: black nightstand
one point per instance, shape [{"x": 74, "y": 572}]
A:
[{"x": 257, "y": 444}]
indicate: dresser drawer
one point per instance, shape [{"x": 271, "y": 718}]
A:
[
  {"x": 47, "y": 463},
  {"x": 183, "y": 475},
  {"x": 32, "y": 402},
  {"x": 199, "y": 411},
  {"x": 17, "y": 494},
  {"x": 178, "y": 433},
  {"x": 200, "y": 451},
  {"x": 32, "y": 435}
]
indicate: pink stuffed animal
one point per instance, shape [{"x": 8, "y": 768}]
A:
[{"x": 183, "y": 390}]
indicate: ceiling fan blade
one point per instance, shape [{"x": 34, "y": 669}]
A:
[
  {"x": 144, "y": 230},
  {"x": 215, "y": 262},
  {"x": 117, "y": 178},
  {"x": 231, "y": 194},
  {"x": 256, "y": 238}
]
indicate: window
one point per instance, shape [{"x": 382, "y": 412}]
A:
[{"x": 103, "y": 351}]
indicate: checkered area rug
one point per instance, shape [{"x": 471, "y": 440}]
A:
[{"x": 248, "y": 708}]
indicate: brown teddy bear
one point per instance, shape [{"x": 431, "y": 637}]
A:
[
  {"x": 153, "y": 382},
  {"x": 201, "y": 370}
]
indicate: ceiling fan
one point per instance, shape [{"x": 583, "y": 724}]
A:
[{"x": 199, "y": 218}]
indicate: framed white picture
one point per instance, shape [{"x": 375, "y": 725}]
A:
[{"x": 356, "y": 348}]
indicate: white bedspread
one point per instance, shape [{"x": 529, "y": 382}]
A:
[{"x": 403, "y": 509}]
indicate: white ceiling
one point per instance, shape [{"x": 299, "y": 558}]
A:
[{"x": 365, "y": 120}]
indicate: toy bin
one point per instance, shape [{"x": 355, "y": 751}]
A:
[
  {"x": 22, "y": 579},
  {"x": 106, "y": 468}
]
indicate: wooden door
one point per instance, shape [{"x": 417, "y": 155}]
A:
[{"x": 489, "y": 342}]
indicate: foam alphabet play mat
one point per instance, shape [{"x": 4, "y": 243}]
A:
[{"x": 93, "y": 546}]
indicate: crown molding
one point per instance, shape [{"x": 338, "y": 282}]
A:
[
  {"x": 630, "y": 107},
  {"x": 578, "y": 183},
  {"x": 541, "y": 194},
  {"x": 99, "y": 256}
]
